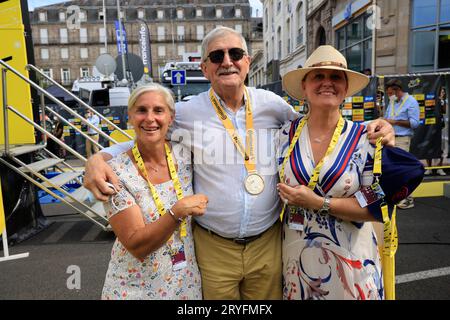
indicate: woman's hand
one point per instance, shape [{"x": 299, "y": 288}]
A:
[
  {"x": 98, "y": 173},
  {"x": 300, "y": 196},
  {"x": 194, "y": 205},
  {"x": 381, "y": 128}
]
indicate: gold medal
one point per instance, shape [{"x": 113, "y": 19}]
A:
[{"x": 254, "y": 184}]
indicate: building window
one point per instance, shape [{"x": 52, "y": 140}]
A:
[
  {"x": 200, "y": 32},
  {"x": 141, "y": 14},
  {"x": 430, "y": 35},
  {"x": 63, "y": 36},
  {"x": 180, "y": 14},
  {"x": 238, "y": 13},
  {"x": 278, "y": 6},
  {"x": 84, "y": 72},
  {"x": 43, "y": 34},
  {"x": 101, "y": 35},
  {"x": 218, "y": 13},
  {"x": 101, "y": 15},
  {"x": 279, "y": 43},
  {"x": 160, "y": 14},
  {"x": 266, "y": 19},
  {"x": 238, "y": 28},
  {"x": 62, "y": 16},
  {"x": 181, "y": 50},
  {"x": 288, "y": 36},
  {"x": 83, "y": 35},
  {"x": 299, "y": 17},
  {"x": 352, "y": 40},
  {"x": 42, "y": 16},
  {"x": 48, "y": 72},
  {"x": 161, "y": 33},
  {"x": 65, "y": 76},
  {"x": 103, "y": 50},
  {"x": 83, "y": 16},
  {"x": 84, "y": 54},
  {"x": 198, "y": 12},
  {"x": 44, "y": 54},
  {"x": 162, "y": 51},
  {"x": 122, "y": 15},
  {"x": 64, "y": 53},
  {"x": 180, "y": 33}
]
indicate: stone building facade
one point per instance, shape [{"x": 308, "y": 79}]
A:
[{"x": 67, "y": 51}]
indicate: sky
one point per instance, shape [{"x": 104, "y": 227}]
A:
[{"x": 255, "y": 4}]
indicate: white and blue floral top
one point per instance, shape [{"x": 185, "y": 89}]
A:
[{"x": 153, "y": 277}]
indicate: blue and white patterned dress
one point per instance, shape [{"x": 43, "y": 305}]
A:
[
  {"x": 153, "y": 277},
  {"x": 330, "y": 258}
]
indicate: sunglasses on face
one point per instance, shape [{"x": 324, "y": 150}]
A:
[{"x": 217, "y": 56}]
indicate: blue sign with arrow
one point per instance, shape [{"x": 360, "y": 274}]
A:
[{"x": 178, "y": 77}]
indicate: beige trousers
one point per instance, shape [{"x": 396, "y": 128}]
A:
[{"x": 232, "y": 271}]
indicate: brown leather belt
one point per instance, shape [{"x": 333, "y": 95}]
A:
[{"x": 242, "y": 241}]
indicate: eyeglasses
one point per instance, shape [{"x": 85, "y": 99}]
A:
[{"x": 217, "y": 56}]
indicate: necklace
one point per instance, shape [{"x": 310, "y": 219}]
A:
[{"x": 153, "y": 168}]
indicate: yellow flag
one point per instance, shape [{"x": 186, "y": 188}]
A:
[{"x": 2, "y": 213}]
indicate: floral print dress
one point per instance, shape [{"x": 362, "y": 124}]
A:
[
  {"x": 153, "y": 277},
  {"x": 330, "y": 258}
]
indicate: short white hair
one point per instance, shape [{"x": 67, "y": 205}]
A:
[
  {"x": 217, "y": 33},
  {"x": 152, "y": 87}
]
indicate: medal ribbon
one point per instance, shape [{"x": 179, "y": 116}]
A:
[
  {"x": 173, "y": 176},
  {"x": 315, "y": 175},
  {"x": 248, "y": 153},
  {"x": 395, "y": 114}
]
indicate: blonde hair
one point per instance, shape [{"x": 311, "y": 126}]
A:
[
  {"x": 219, "y": 32},
  {"x": 152, "y": 87}
]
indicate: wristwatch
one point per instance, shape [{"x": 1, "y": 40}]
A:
[{"x": 326, "y": 206}]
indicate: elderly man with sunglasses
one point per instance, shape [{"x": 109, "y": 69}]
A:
[{"x": 231, "y": 132}]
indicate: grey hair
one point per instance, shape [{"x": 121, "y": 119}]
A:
[
  {"x": 217, "y": 33},
  {"x": 152, "y": 87}
]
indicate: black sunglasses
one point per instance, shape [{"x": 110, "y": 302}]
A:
[{"x": 217, "y": 56}]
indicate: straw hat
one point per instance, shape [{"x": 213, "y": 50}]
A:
[{"x": 324, "y": 57}]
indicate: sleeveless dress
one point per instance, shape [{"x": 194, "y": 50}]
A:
[{"x": 330, "y": 258}]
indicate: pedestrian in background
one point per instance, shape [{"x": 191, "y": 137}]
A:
[
  {"x": 95, "y": 121},
  {"x": 153, "y": 256},
  {"x": 442, "y": 112},
  {"x": 403, "y": 114}
]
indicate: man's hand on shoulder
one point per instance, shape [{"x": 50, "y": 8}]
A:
[
  {"x": 381, "y": 128},
  {"x": 97, "y": 174}
]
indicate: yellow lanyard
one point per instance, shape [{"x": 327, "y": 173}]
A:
[
  {"x": 315, "y": 175},
  {"x": 248, "y": 153},
  {"x": 390, "y": 228},
  {"x": 173, "y": 176},
  {"x": 395, "y": 114}
]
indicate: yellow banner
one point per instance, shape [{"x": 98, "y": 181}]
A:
[
  {"x": 358, "y": 99},
  {"x": 430, "y": 103}
]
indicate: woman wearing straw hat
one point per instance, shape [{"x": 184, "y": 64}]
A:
[{"x": 329, "y": 249}]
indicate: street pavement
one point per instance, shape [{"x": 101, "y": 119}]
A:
[{"x": 73, "y": 243}]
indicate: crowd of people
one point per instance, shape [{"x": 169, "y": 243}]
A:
[{"x": 276, "y": 217}]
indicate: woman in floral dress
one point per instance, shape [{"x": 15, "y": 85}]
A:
[
  {"x": 329, "y": 244},
  {"x": 153, "y": 256}
]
